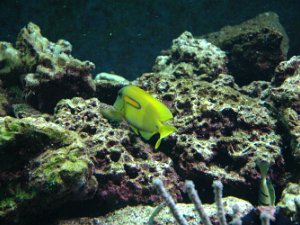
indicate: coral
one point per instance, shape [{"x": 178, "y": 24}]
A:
[
  {"x": 111, "y": 77},
  {"x": 254, "y": 47},
  {"x": 191, "y": 57},
  {"x": 194, "y": 197},
  {"x": 169, "y": 201}
]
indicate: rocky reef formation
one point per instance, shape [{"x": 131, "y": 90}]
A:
[
  {"x": 254, "y": 47},
  {"x": 192, "y": 58},
  {"x": 286, "y": 97},
  {"x": 140, "y": 214},
  {"x": 42, "y": 166},
  {"x": 43, "y": 65},
  {"x": 75, "y": 154}
]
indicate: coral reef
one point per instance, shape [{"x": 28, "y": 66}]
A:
[
  {"x": 254, "y": 47},
  {"x": 75, "y": 154}
]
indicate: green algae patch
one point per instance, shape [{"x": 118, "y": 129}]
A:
[
  {"x": 12, "y": 200},
  {"x": 18, "y": 135},
  {"x": 42, "y": 166}
]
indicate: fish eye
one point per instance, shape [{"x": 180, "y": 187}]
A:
[{"x": 119, "y": 94}]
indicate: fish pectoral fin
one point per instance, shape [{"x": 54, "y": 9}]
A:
[
  {"x": 271, "y": 192},
  {"x": 147, "y": 135},
  {"x": 164, "y": 131},
  {"x": 135, "y": 130},
  {"x": 112, "y": 114}
]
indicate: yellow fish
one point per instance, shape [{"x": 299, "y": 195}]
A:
[
  {"x": 266, "y": 194},
  {"x": 145, "y": 114}
]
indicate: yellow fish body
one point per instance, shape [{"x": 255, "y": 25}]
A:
[
  {"x": 266, "y": 194},
  {"x": 145, "y": 114}
]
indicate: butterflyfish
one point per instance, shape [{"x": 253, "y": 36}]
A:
[
  {"x": 145, "y": 114},
  {"x": 266, "y": 194}
]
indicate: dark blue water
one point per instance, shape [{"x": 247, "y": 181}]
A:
[{"x": 125, "y": 36}]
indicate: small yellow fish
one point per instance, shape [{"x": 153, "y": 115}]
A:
[
  {"x": 266, "y": 194},
  {"x": 145, "y": 114}
]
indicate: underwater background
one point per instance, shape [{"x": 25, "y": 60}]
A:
[
  {"x": 125, "y": 37},
  {"x": 156, "y": 112}
]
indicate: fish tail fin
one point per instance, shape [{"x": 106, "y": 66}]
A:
[
  {"x": 164, "y": 131},
  {"x": 271, "y": 193},
  {"x": 263, "y": 167},
  {"x": 111, "y": 114}
]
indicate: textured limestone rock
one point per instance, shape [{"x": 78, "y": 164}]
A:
[
  {"x": 107, "y": 90},
  {"x": 3, "y": 102},
  {"x": 47, "y": 70},
  {"x": 141, "y": 214},
  {"x": 125, "y": 165},
  {"x": 254, "y": 47},
  {"x": 290, "y": 201},
  {"x": 10, "y": 61},
  {"x": 221, "y": 132},
  {"x": 286, "y": 69},
  {"x": 42, "y": 167},
  {"x": 191, "y": 57},
  {"x": 287, "y": 100}
]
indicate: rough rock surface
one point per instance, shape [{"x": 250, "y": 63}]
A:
[
  {"x": 77, "y": 155},
  {"x": 287, "y": 101},
  {"x": 290, "y": 201},
  {"x": 221, "y": 132},
  {"x": 3, "y": 102},
  {"x": 124, "y": 165},
  {"x": 10, "y": 61},
  {"x": 141, "y": 214},
  {"x": 191, "y": 58},
  {"x": 254, "y": 47},
  {"x": 47, "y": 70},
  {"x": 40, "y": 176}
]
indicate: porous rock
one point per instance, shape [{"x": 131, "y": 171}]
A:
[
  {"x": 191, "y": 57},
  {"x": 10, "y": 61},
  {"x": 141, "y": 214},
  {"x": 40, "y": 176},
  {"x": 221, "y": 132},
  {"x": 124, "y": 164},
  {"x": 290, "y": 201},
  {"x": 51, "y": 72},
  {"x": 287, "y": 100},
  {"x": 254, "y": 47}
]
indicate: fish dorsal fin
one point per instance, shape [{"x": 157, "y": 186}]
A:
[{"x": 271, "y": 192}]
